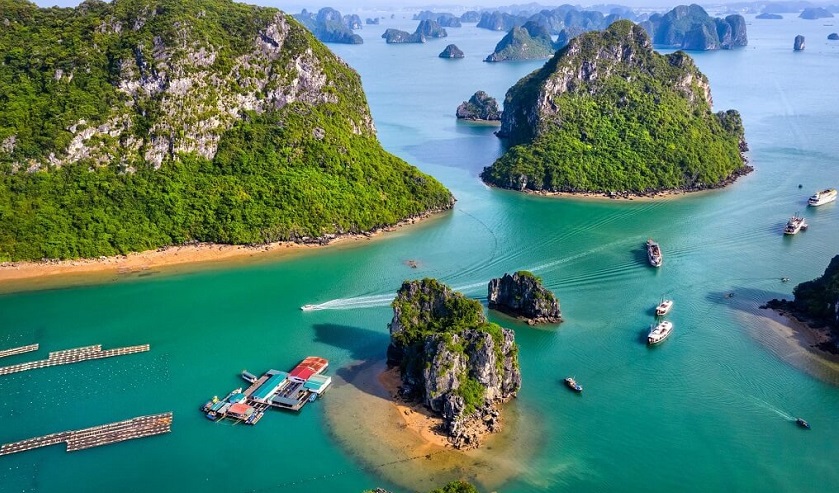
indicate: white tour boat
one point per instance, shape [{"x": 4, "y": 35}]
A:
[{"x": 659, "y": 332}]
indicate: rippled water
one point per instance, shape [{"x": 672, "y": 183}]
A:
[{"x": 709, "y": 409}]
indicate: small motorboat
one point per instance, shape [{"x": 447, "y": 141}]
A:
[
  {"x": 785, "y": 279},
  {"x": 573, "y": 385},
  {"x": 800, "y": 422},
  {"x": 664, "y": 307},
  {"x": 307, "y": 308}
]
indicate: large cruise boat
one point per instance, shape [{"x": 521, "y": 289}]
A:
[
  {"x": 654, "y": 253},
  {"x": 795, "y": 224},
  {"x": 659, "y": 332},
  {"x": 823, "y": 197}
]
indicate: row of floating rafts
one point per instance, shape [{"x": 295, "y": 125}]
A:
[{"x": 797, "y": 223}]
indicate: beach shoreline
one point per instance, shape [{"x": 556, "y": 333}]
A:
[{"x": 26, "y": 275}]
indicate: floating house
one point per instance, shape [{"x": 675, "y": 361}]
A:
[{"x": 279, "y": 389}]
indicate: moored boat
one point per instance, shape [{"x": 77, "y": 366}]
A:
[
  {"x": 573, "y": 385},
  {"x": 654, "y": 253},
  {"x": 823, "y": 197},
  {"x": 659, "y": 332},
  {"x": 664, "y": 307},
  {"x": 795, "y": 224}
]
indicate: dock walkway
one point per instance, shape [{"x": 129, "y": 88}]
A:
[
  {"x": 74, "y": 355},
  {"x": 138, "y": 427},
  {"x": 18, "y": 350}
]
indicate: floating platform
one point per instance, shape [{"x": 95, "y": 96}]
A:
[
  {"x": 18, "y": 350},
  {"x": 75, "y": 355},
  {"x": 139, "y": 427},
  {"x": 278, "y": 389}
]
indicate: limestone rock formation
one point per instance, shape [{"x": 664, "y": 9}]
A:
[
  {"x": 528, "y": 42},
  {"x": 372, "y": 22},
  {"x": 329, "y": 26},
  {"x": 470, "y": 17},
  {"x": 431, "y": 29},
  {"x": 689, "y": 27},
  {"x": 833, "y": 36},
  {"x": 522, "y": 295},
  {"x": 481, "y": 106},
  {"x": 452, "y": 360},
  {"x": 811, "y": 13},
  {"x": 396, "y": 36},
  {"x": 798, "y": 44},
  {"x": 768, "y": 15},
  {"x": 596, "y": 110},
  {"x": 499, "y": 21},
  {"x": 451, "y": 51}
]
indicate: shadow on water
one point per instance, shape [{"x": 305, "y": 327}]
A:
[
  {"x": 471, "y": 154},
  {"x": 365, "y": 345},
  {"x": 362, "y": 343}
]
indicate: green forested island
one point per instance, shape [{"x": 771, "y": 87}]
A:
[
  {"x": 609, "y": 114},
  {"x": 136, "y": 124}
]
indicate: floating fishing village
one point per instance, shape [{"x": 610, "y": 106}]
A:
[
  {"x": 278, "y": 389},
  {"x": 138, "y": 427}
]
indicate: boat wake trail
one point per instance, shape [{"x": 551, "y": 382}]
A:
[
  {"x": 765, "y": 405},
  {"x": 372, "y": 301},
  {"x": 352, "y": 303}
]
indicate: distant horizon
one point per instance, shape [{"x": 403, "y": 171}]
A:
[{"x": 460, "y": 5}]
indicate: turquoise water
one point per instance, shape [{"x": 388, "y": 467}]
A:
[{"x": 709, "y": 409}]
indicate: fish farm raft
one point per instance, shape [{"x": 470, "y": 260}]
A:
[{"x": 277, "y": 389}]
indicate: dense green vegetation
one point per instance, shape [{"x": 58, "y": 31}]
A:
[
  {"x": 645, "y": 127},
  {"x": 818, "y": 299},
  {"x": 528, "y": 42},
  {"x": 304, "y": 170}
]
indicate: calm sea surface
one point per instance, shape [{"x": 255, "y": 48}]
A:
[{"x": 708, "y": 410}]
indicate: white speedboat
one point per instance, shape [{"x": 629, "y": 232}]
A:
[
  {"x": 654, "y": 253},
  {"x": 823, "y": 197},
  {"x": 795, "y": 224},
  {"x": 663, "y": 307},
  {"x": 307, "y": 308},
  {"x": 659, "y": 332}
]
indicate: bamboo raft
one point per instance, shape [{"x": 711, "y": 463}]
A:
[
  {"x": 139, "y": 427},
  {"x": 74, "y": 355},
  {"x": 18, "y": 350}
]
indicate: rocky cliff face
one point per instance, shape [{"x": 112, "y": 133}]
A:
[
  {"x": 588, "y": 62},
  {"x": 689, "y": 27},
  {"x": 175, "y": 74},
  {"x": 451, "y": 359},
  {"x": 798, "y": 43},
  {"x": 481, "y": 106},
  {"x": 522, "y": 295}
]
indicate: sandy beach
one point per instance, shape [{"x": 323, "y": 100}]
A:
[
  {"x": 401, "y": 441},
  {"x": 52, "y": 273},
  {"x": 794, "y": 341}
]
